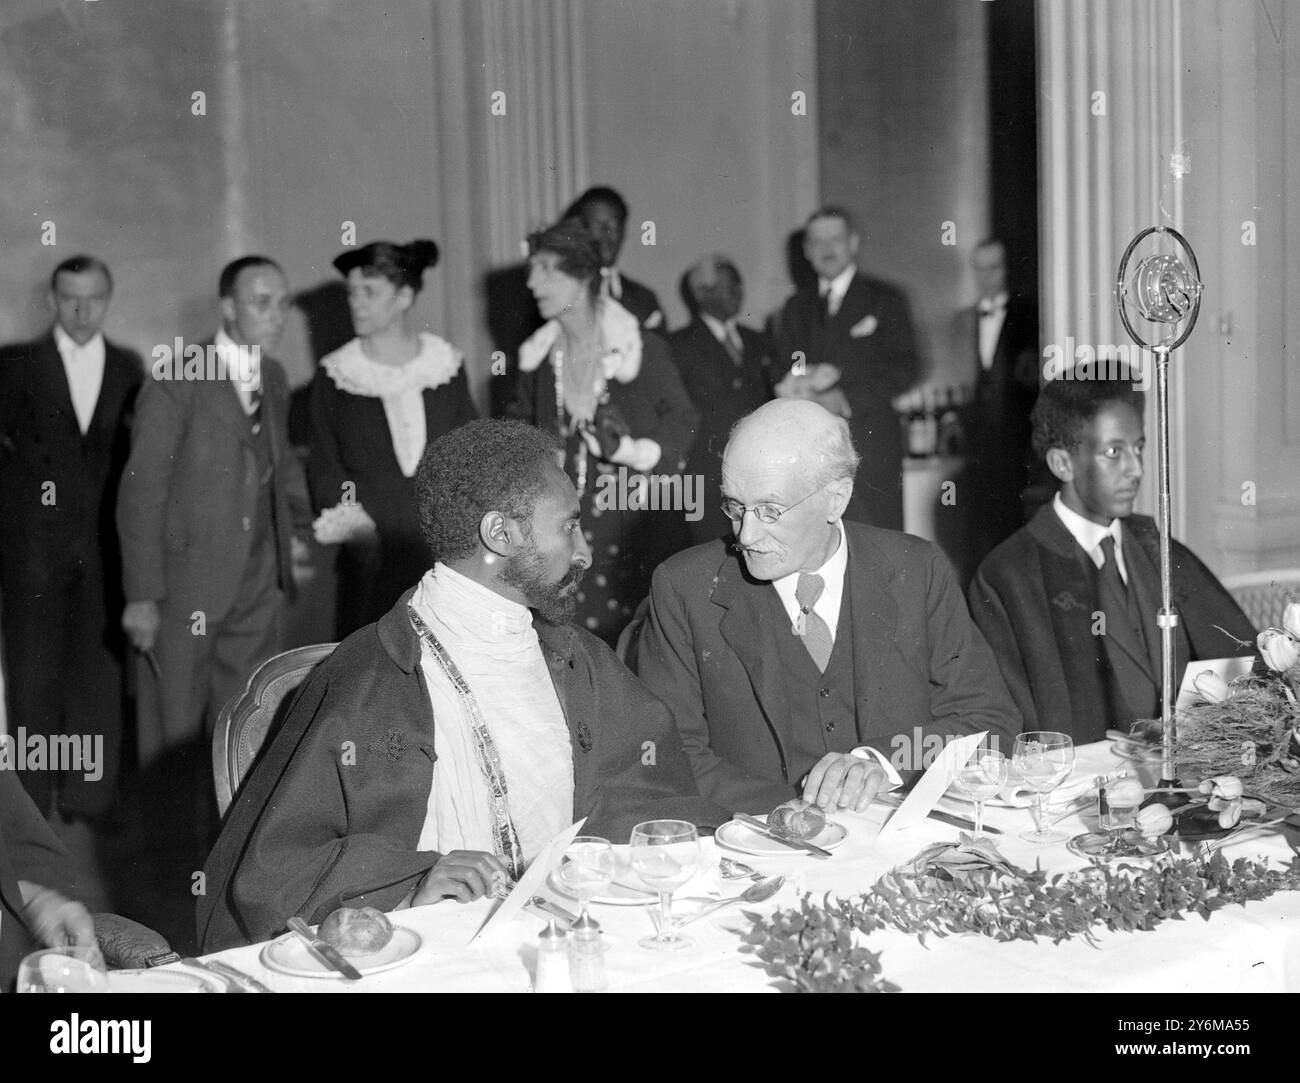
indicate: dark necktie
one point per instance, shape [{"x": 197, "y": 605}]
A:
[
  {"x": 824, "y": 305},
  {"x": 255, "y": 408},
  {"x": 730, "y": 341},
  {"x": 1117, "y": 599},
  {"x": 816, "y": 634}
]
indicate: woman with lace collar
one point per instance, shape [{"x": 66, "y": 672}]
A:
[
  {"x": 375, "y": 403},
  {"x": 610, "y": 389}
]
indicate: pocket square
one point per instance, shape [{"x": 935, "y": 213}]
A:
[{"x": 863, "y": 327}]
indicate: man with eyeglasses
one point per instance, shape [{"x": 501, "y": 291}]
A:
[{"x": 812, "y": 657}]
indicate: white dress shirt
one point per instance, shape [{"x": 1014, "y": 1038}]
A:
[
  {"x": 832, "y": 573},
  {"x": 827, "y": 607},
  {"x": 836, "y": 287},
  {"x": 724, "y": 332},
  {"x": 84, "y": 368},
  {"x": 992, "y": 315},
  {"x": 1089, "y": 535}
]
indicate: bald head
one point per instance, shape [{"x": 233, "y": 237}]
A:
[{"x": 797, "y": 457}]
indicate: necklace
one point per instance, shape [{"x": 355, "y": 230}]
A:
[{"x": 567, "y": 427}]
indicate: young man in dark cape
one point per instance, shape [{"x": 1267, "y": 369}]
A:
[{"x": 1075, "y": 635}]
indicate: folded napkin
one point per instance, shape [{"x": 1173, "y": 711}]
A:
[{"x": 1018, "y": 795}]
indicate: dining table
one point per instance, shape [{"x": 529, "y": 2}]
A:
[{"x": 1252, "y": 948}]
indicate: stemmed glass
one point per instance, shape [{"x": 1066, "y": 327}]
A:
[
  {"x": 587, "y": 869},
  {"x": 983, "y": 775},
  {"x": 68, "y": 969},
  {"x": 1044, "y": 759},
  {"x": 665, "y": 854}
]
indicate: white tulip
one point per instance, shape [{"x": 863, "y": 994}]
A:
[
  {"x": 1291, "y": 619},
  {"x": 1210, "y": 686},
  {"x": 1279, "y": 650}
]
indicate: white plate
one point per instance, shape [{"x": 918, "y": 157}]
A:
[
  {"x": 289, "y": 955},
  {"x": 737, "y": 836},
  {"x": 163, "y": 981}
]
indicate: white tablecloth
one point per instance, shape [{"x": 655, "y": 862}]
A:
[{"x": 1241, "y": 949}]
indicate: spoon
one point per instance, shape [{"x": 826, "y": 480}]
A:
[
  {"x": 737, "y": 870},
  {"x": 752, "y": 894}
]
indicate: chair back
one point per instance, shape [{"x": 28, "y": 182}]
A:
[
  {"x": 245, "y": 722},
  {"x": 1263, "y": 595}
]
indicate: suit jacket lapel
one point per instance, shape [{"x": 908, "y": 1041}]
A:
[
  {"x": 753, "y": 626},
  {"x": 573, "y": 687},
  {"x": 875, "y": 620},
  {"x": 223, "y": 400},
  {"x": 47, "y": 364}
]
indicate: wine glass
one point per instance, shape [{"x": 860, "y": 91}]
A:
[
  {"x": 1044, "y": 759},
  {"x": 665, "y": 854},
  {"x": 983, "y": 775},
  {"x": 72, "y": 968},
  {"x": 587, "y": 869}
]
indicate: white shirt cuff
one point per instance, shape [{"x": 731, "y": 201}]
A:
[{"x": 865, "y": 753}]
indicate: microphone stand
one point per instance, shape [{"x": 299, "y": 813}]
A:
[{"x": 1170, "y": 274}]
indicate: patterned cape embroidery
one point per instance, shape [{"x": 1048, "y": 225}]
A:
[{"x": 505, "y": 838}]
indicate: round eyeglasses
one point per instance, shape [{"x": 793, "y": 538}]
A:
[{"x": 765, "y": 513}]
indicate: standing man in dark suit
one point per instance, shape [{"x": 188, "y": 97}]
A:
[
  {"x": 852, "y": 348},
  {"x": 1000, "y": 333},
  {"x": 65, "y": 406},
  {"x": 726, "y": 369},
  {"x": 604, "y": 212},
  {"x": 210, "y": 501},
  {"x": 813, "y": 657}
]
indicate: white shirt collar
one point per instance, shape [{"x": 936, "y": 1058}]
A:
[
  {"x": 721, "y": 331},
  {"x": 1089, "y": 535},
  {"x": 839, "y": 285},
  {"x": 248, "y": 373},
  {"x": 996, "y": 304},
  {"x": 832, "y": 573},
  {"x": 70, "y": 350}
]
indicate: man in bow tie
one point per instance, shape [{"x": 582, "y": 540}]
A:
[
  {"x": 1069, "y": 601},
  {"x": 858, "y": 330},
  {"x": 1000, "y": 335},
  {"x": 814, "y": 657},
  {"x": 435, "y": 752}
]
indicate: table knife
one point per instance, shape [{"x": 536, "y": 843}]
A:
[
  {"x": 241, "y": 982},
  {"x": 552, "y": 909},
  {"x": 323, "y": 952},
  {"x": 767, "y": 832}
]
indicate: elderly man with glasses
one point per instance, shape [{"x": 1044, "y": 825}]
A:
[{"x": 812, "y": 657}]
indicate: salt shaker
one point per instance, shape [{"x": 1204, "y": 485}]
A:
[
  {"x": 587, "y": 956},
  {"x": 552, "y": 975}
]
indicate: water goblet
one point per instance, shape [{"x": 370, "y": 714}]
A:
[
  {"x": 587, "y": 869},
  {"x": 71, "y": 968},
  {"x": 665, "y": 854},
  {"x": 982, "y": 776},
  {"x": 1044, "y": 759}
]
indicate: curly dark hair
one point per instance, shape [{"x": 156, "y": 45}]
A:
[
  {"x": 479, "y": 467},
  {"x": 1065, "y": 407},
  {"x": 572, "y": 242}
]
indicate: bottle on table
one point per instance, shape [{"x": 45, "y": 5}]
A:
[{"x": 552, "y": 974}]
